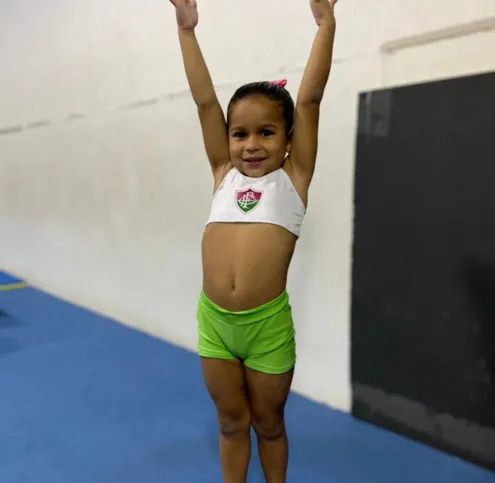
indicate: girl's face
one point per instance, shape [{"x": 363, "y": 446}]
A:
[{"x": 257, "y": 136}]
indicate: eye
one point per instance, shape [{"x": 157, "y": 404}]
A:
[
  {"x": 267, "y": 133},
  {"x": 239, "y": 134}
]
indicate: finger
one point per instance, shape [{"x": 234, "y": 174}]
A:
[{"x": 173, "y": 3}]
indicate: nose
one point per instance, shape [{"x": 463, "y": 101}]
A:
[{"x": 252, "y": 144}]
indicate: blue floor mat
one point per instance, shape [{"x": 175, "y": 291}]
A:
[
  {"x": 8, "y": 281},
  {"x": 86, "y": 400}
]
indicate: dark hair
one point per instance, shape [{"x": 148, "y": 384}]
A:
[{"x": 272, "y": 91}]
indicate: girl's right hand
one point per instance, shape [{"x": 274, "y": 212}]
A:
[{"x": 187, "y": 13}]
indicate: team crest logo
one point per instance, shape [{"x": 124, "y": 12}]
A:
[{"x": 248, "y": 200}]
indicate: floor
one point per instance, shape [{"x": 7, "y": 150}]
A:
[{"x": 84, "y": 399}]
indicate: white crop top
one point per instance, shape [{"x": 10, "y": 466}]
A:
[{"x": 268, "y": 199}]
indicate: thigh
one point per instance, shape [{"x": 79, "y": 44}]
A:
[
  {"x": 268, "y": 393},
  {"x": 226, "y": 383}
]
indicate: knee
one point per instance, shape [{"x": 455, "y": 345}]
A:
[
  {"x": 234, "y": 424},
  {"x": 269, "y": 426}
]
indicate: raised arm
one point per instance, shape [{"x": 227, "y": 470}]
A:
[
  {"x": 315, "y": 78},
  {"x": 210, "y": 112}
]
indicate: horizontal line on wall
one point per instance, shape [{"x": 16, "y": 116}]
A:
[
  {"x": 38, "y": 124},
  {"x": 139, "y": 104},
  {"x": 460, "y": 30},
  {"x": 10, "y": 130},
  {"x": 75, "y": 117},
  {"x": 227, "y": 84}
]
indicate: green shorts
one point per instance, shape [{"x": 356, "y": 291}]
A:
[{"x": 263, "y": 338}]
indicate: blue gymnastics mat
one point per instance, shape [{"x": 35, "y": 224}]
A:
[{"x": 84, "y": 399}]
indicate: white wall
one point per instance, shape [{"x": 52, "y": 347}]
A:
[{"x": 104, "y": 185}]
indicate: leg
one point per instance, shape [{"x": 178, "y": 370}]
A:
[
  {"x": 268, "y": 394},
  {"x": 226, "y": 384}
]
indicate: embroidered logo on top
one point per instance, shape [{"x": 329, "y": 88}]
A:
[{"x": 248, "y": 200}]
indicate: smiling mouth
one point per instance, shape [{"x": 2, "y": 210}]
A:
[{"x": 254, "y": 161}]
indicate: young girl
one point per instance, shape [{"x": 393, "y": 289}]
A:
[{"x": 262, "y": 158}]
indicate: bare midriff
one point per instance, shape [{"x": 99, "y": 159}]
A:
[{"x": 245, "y": 265}]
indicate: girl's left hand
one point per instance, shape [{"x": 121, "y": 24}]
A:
[{"x": 323, "y": 10}]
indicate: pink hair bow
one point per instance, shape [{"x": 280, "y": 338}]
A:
[{"x": 280, "y": 83}]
